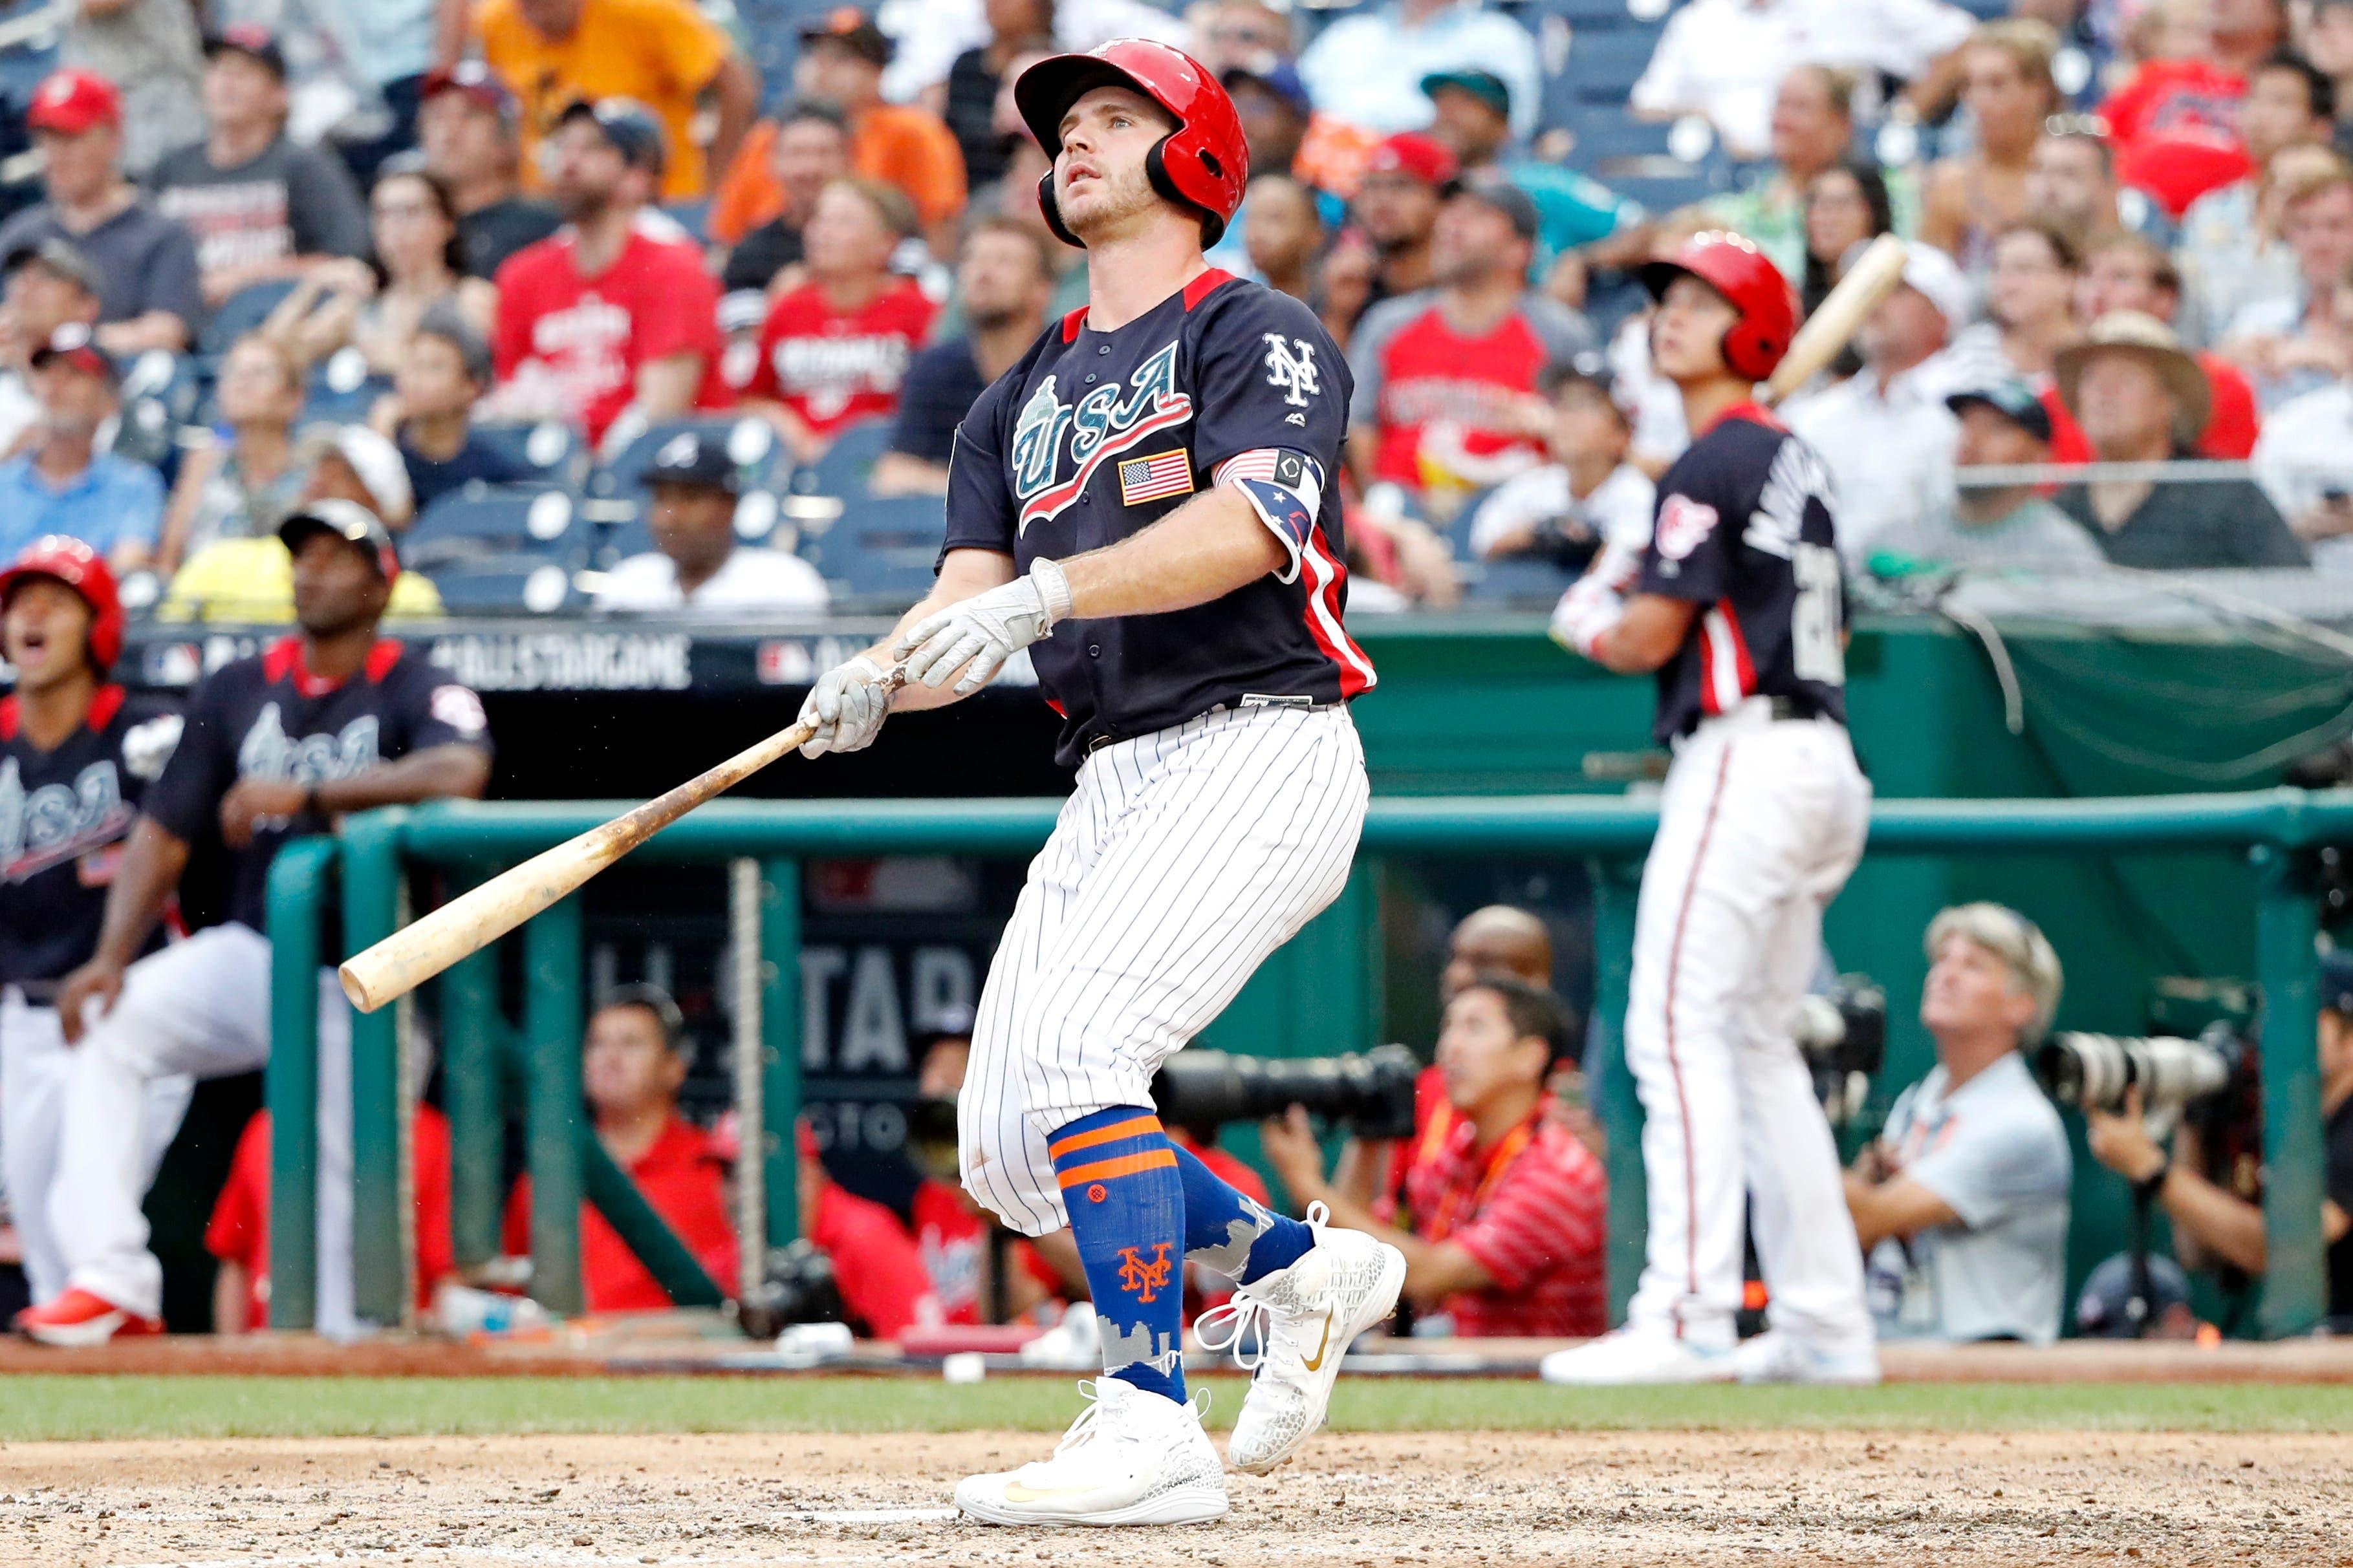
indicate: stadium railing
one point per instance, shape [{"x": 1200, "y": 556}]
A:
[{"x": 767, "y": 842}]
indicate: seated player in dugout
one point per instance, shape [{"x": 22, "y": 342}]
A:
[
  {"x": 1506, "y": 1212},
  {"x": 632, "y": 1064}
]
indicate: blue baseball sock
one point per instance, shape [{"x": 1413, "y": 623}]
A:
[
  {"x": 1227, "y": 1231},
  {"x": 1119, "y": 1178}
]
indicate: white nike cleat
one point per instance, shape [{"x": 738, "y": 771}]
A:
[
  {"x": 1304, "y": 1318},
  {"x": 1625, "y": 1357},
  {"x": 1131, "y": 1457},
  {"x": 1778, "y": 1356}
]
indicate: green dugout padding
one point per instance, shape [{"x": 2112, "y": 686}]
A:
[{"x": 1320, "y": 987}]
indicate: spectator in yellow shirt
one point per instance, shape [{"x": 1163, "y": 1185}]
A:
[{"x": 662, "y": 53}]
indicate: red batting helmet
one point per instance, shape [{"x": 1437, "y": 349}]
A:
[
  {"x": 1750, "y": 283},
  {"x": 85, "y": 571},
  {"x": 1203, "y": 162}
]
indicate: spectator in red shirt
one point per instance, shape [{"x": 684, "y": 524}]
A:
[
  {"x": 2131, "y": 272},
  {"x": 630, "y": 1068},
  {"x": 2175, "y": 122},
  {"x": 612, "y": 322},
  {"x": 835, "y": 350},
  {"x": 951, "y": 1230},
  {"x": 1508, "y": 1210},
  {"x": 885, "y": 1289},
  {"x": 238, "y": 1236}
]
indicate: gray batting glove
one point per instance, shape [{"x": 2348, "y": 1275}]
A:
[
  {"x": 847, "y": 707},
  {"x": 980, "y": 634}
]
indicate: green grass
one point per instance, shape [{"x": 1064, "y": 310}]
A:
[{"x": 36, "y": 1407}]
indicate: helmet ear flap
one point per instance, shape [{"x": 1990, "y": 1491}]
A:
[{"x": 1046, "y": 204}]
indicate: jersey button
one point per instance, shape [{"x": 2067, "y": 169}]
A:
[
  {"x": 1105, "y": 349},
  {"x": 1094, "y": 650},
  {"x": 1091, "y": 380}
]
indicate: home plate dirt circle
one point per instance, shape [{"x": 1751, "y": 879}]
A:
[{"x": 705, "y": 1501}]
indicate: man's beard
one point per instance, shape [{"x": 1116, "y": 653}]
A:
[
  {"x": 1115, "y": 199},
  {"x": 993, "y": 320},
  {"x": 579, "y": 207}
]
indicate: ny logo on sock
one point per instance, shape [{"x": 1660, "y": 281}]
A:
[{"x": 1143, "y": 1278}]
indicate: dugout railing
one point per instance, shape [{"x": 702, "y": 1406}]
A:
[{"x": 767, "y": 843}]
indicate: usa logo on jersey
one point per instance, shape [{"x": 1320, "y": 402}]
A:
[{"x": 1109, "y": 420}]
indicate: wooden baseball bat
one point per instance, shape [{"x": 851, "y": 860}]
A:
[
  {"x": 1874, "y": 277},
  {"x": 431, "y": 943}
]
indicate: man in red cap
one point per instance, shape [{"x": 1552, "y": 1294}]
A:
[
  {"x": 1737, "y": 604},
  {"x": 1147, "y": 504},
  {"x": 1406, "y": 180},
  {"x": 469, "y": 128},
  {"x": 76, "y": 755},
  {"x": 146, "y": 263}
]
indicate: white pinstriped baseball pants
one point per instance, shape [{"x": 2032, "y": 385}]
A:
[{"x": 1181, "y": 861}]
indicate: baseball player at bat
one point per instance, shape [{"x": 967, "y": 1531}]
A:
[
  {"x": 275, "y": 747},
  {"x": 1147, "y": 502},
  {"x": 76, "y": 753},
  {"x": 1737, "y": 604}
]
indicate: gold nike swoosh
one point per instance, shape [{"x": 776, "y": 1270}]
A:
[
  {"x": 1015, "y": 1492},
  {"x": 1316, "y": 1362}
]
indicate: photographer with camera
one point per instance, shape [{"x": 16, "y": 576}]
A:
[
  {"x": 1961, "y": 1204},
  {"x": 2212, "y": 1226},
  {"x": 1507, "y": 1210}
]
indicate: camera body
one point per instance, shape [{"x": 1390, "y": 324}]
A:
[
  {"x": 797, "y": 1287},
  {"x": 1368, "y": 1092},
  {"x": 1842, "y": 1033}
]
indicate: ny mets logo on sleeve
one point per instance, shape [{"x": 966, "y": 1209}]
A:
[
  {"x": 1291, "y": 369},
  {"x": 1149, "y": 478}
]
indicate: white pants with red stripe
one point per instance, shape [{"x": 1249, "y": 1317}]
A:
[
  {"x": 1181, "y": 861},
  {"x": 1761, "y": 823}
]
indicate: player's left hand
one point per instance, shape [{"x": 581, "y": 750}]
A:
[
  {"x": 249, "y": 801},
  {"x": 979, "y": 635}
]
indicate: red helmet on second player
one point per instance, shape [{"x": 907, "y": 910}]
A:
[
  {"x": 85, "y": 571},
  {"x": 1203, "y": 163},
  {"x": 1750, "y": 283}
]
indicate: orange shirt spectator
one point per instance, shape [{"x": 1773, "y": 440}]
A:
[
  {"x": 661, "y": 53},
  {"x": 239, "y": 1235},
  {"x": 682, "y": 1176},
  {"x": 844, "y": 54}
]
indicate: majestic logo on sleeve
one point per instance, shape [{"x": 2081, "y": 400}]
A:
[
  {"x": 59, "y": 822},
  {"x": 1109, "y": 420},
  {"x": 1291, "y": 369},
  {"x": 267, "y": 752}
]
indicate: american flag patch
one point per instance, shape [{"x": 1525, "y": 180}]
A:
[{"x": 1149, "y": 478}]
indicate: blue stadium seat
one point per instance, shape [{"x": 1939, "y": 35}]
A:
[
  {"x": 343, "y": 391},
  {"x": 1534, "y": 585},
  {"x": 842, "y": 471},
  {"x": 240, "y": 313},
  {"x": 761, "y": 460},
  {"x": 552, "y": 449},
  {"x": 880, "y": 551},
  {"x": 482, "y": 522},
  {"x": 1602, "y": 135},
  {"x": 1604, "y": 65},
  {"x": 519, "y": 584}
]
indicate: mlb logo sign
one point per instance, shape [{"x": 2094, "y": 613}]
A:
[{"x": 1150, "y": 479}]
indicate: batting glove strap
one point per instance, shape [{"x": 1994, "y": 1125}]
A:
[
  {"x": 1053, "y": 591},
  {"x": 1585, "y": 616}
]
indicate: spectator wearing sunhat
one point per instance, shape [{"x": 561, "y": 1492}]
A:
[
  {"x": 843, "y": 54},
  {"x": 64, "y": 483},
  {"x": 262, "y": 207},
  {"x": 1471, "y": 114},
  {"x": 2001, "y": 425},
  {"x": 611, "y": 322},
  {"x": 1367, "y": 67},
  {"x": 146, "y": 263},
  {"x": 469, "y": 128},
  {"x": 697, "y": 567},
  {"x": 664, "y": 54},
  {"x": 2139, "y": 399}
]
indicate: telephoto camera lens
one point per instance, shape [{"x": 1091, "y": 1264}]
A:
[
  {"x": 2093, "y": 1071},
  {"x": 1371, "y": 1092}
]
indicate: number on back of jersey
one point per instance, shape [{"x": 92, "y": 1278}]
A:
[{"x": 1817, "y": 648}]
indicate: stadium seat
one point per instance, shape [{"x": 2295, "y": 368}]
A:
[
  {"x": 761, "y": 460},
  {"x": 880, "y": 551},
  {"x": 842, "y": 471},
  {"x": 1604, "y": 65},
  {"x": 552, "y": 449},
  {"x": 1525, "y": 584},
  {"x": 519, "y": 584},
  {"x": 342, "y": 390},
  {"x": 240, "y": 313},
  {"x": 479, "y": 523}
]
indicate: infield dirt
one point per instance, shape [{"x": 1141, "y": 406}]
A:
[{"x": 1586, "y": 1499}]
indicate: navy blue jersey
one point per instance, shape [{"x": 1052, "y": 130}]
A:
[
  {"x": 1094, "y": 436},
  {"x": 1742, "y": 530},
  {"x": 269, "y": 718},
  {"x": 63, "y": 817}
]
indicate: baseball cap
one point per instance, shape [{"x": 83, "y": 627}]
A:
[
  {"x": 1938, "y": 279},
  {"x": 255, "y": 43},
  {"x": 374, "y": 460},
  {"x": 1498, "y": 191},
  {"x": 1485, "y": 86},
  {"x": 2013, "y": 400},
  {"x": 2336, "y": 984},
  {"x": 628, "y": 124},
  {"x": 60, "y": 257},
  {"x": 344, "y": 519},
  {"x": 2102, "y": 1310},
  {"x": 1411, "y": 153},
  {"x": 74, "y": 344},
  {"x": 693, "y": 458},
  {"x": 442, "y": 320},
  {"x": 1591, "y": 368},
  {"x": 1277, "y": 75},
  {"x": 852, "y": 28},
  {"x": 478, "y": 83},
  {"x": 71, "y": 101}
]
